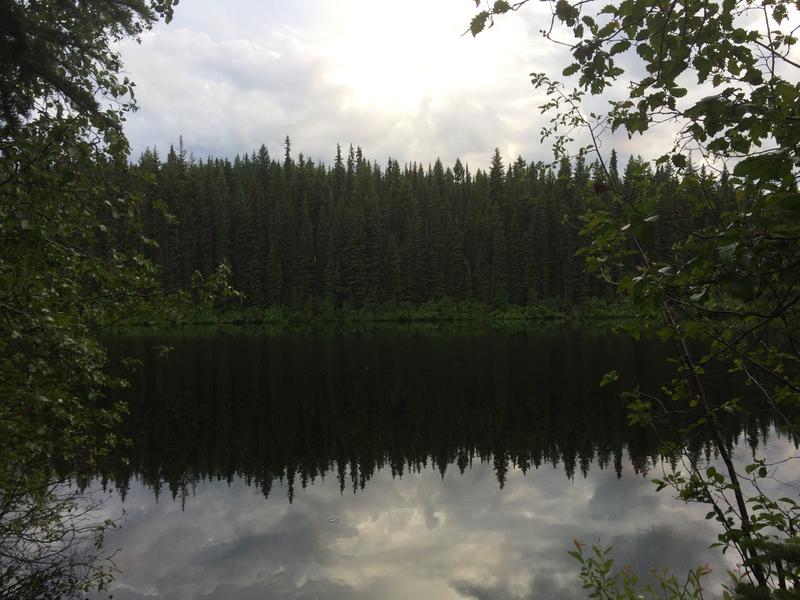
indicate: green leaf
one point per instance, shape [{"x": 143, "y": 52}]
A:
[
  {"x": 738, "y": 285},
  {"x": 786, "y": 200},
  {"x": 478, "y": 23},
  {"x": 500, "y": 7},
  {"x": 566, "y": 12},
  {"x": 727, "y": 252},
  {"x": 620, "y": 47},
  {"x": 770, "y": 165},
  {"x": 609, "y": 377},
  {"x": 679, "y": 160}
]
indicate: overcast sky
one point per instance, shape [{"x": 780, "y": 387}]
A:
[{"x": 396, "y": 78}]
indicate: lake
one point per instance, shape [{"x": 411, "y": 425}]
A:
[{"x": 417, "y": 463}]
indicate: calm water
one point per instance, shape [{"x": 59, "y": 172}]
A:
[{"x": 401, "y": 465}]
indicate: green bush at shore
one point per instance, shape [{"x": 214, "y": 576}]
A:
[{"x": 440, "y": 311}]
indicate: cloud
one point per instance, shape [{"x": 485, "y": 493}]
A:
[
  {"x": 418, "y": 536},
  {"x": 399, "y": 80}
]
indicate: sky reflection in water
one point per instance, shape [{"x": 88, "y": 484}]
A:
[{"x": 420, "y": 536}]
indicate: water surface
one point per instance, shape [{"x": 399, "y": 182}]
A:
[{"x": 391, "y": 465}]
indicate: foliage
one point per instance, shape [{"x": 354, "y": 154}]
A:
[
  {"x": 602, "y": 582},
  {"x": 730, "y": 283},
  {"x": 57, "y": 61},
  {"x": 51, "y": 543},
  {"x": 62, "y": 221},
  {"x": 313, "y": 239},
  {"x": 179, "y": 311}
]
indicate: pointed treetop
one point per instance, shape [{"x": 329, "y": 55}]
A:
[
  {"x": 287, "y": 158},
  {"x": 497, "y": 161},
  {"x": 263, "y": 154},
  {"x": 338, "y": 161},
  {"x": 458, "y": 171}
]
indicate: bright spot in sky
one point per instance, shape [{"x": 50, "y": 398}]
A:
[
  {"x": 399, "y": 79},
  {"x": 396, "y": 56}
]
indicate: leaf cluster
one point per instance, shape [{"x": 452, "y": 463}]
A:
[{"x": 723, "y": 76}]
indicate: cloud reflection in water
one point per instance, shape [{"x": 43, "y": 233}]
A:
[{"x": 419, "y": 536}]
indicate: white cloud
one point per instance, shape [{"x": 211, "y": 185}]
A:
[
  {"x": 417, "y": 536},
  {"x": 398, "y": 79}
]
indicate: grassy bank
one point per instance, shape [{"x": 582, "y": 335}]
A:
[{"x": 443, "y": 311}]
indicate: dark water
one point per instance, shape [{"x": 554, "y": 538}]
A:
[{"x": 392, "y": 465}]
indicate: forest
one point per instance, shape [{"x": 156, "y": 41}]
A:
[
  {"x": 300, "y": 234},
  {"x": 700, "y": 239}
]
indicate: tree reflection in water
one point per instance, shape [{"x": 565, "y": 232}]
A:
[{"x": 293, "y": 408}]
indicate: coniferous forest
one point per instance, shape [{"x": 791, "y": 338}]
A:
[
  {"x": 297, "y": 233},
  {"x": 95, "y": 243}
]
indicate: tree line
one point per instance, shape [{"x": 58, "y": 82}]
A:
[{"x": 297, "y": 233}]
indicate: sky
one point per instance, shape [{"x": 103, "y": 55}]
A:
[{"x": 398, "y": 79}]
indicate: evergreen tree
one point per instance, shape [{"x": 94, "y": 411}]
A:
[{"x": 296, "y": 233}]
